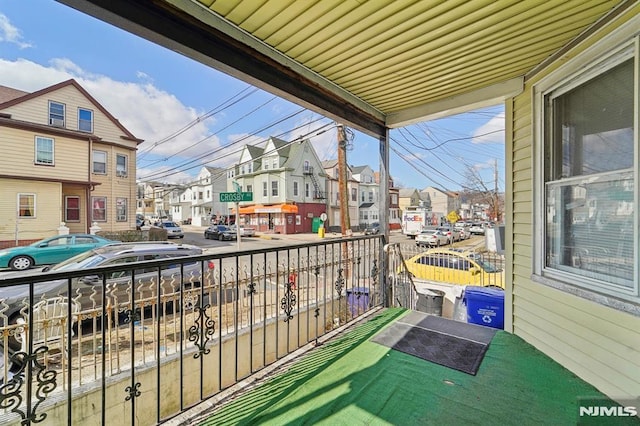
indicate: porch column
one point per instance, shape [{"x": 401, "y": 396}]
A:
[{"x": 383, "y": 213}]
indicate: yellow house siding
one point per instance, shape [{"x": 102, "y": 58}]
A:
[
  {"x": 18, "y": 156},
  {"x": 37, "y": 111},
  {"x": 613, "y": 346},
  {"x": 113, "y": 187},
  {"x": 598, "y": 343},
  {"x": 47, "y": 217}
]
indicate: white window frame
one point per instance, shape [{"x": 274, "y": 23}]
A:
[
  {"x": 122, "y": 172},
  {"x": 82, "y": 121},
  {"x": 93, "y": 161},
  {"x": 37, "y": 149},
  {"x": 275, "y": 190},
  {"x": 265, "y": 189},
  {"x": 94, "y": 209},
  {"x": 31, "y": 208},
  {"x": 594, "y": 61},
  {"x": 55, "y": 117},
  {"x": 67, "y": 208},
  {"x": 121, "y": 209}
]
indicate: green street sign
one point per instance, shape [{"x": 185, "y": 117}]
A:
[{"x": 235, "y": 197}]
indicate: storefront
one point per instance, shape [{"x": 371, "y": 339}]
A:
[{"x": 281, "y": 218}]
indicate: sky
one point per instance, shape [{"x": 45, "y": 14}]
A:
[{"x": 190, "y": 115}]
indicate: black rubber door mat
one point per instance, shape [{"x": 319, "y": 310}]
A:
[{"x": 449, "y": 343}]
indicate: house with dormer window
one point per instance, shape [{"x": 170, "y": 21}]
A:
[
  {"x": 65, "y": 159},
  {"x": 288, "y": 185}
]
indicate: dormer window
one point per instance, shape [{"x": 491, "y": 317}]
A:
[{"x": 56, "y": 114}]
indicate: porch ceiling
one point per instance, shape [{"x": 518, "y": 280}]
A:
[{"x": 371, "y": 64}]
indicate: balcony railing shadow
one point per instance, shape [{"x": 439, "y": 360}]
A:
[{"x": 160, "y": 336}]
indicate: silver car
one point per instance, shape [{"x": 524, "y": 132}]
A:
[
  {"x": 144, "y": 283},
  {"x": 173, "y": 230}
]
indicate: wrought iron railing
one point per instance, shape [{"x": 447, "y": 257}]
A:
[{"x": 141, "y": 342}]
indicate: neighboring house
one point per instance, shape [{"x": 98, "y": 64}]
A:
[
  {"x": 408, "y": 197},
  {"x": 200, "y": 201},
  {"x": 441, "y": 201},
  {"x": 144, "y": 199},
  {"x": 395, "y": 216},
  {"x": 369, "y": 207},
  {"x": 334, "y": 212},
  {"x": 65, "y": 159},
  {"x": 288, "y": 185}
]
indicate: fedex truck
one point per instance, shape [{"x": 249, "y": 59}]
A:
[{"x": 415, "y": 220}]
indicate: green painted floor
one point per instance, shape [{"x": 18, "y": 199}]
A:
[{"x": 352, "y": 381}]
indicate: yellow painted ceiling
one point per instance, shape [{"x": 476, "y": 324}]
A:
[{"x": 401, "y": 54}]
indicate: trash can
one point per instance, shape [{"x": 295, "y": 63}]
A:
[
  {"x": 430, "y": 302},
  {"x": 357, "y": 300},
  {"x": 316, "y": 224},
  {"x": 321, "y": 232},
  {"x": 485, "y": 306}
]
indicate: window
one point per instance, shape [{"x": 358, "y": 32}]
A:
[
  {"x": 354, "y": 194},
  {"x": 264, "y": 189},
  {"x": 121, "y": 165},
  {"x": 98, "y": 209},
  {"x": 249, "y": 188},
  {"x": 295, "y": 189},
  {"x": 274, "y": 188},
  {"x": 56, "y": 114},
  {"x": 275, "y": 163},
  {"x": 44, "y": 151},
  {"x": 306, "y": 166},
  {"x": 121, "y": 209},
  {"x": 370, "y": 196},
  {"x": 100, "y": 162},
  {"x": 72, "y": 209},
  {"x": 27, "y": 205},
  {"x": 307, "y": 190},
  {"x": 85, "y": 120},
  {"x": 588, "y": 167}
]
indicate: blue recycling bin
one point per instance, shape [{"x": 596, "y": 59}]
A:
[
  {"x": 485, "y": 306},
  {"x": 358, "y": 300}
]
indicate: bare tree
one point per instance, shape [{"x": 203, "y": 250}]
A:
[{"x": 478, "y": 191}]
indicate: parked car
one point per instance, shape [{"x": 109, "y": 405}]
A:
[
  {"x": 455, "y": 267},
  {"x": 452, "y": 234},
  {"x": 87, "y": 290},
  {"x": 245, "y": 231},
  {"x": 431, "y": 238},
  {"x": 219, "y": 232},
  {"x": 463, "y": 228},
  {"x": 173, "y": 229},
  {"x": 50, "y": 250},
  {"x": 372, "y": 229},
  {"x": 477, "y": 228}
]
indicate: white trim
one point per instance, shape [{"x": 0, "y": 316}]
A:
[{"x": 612, "y": 50}]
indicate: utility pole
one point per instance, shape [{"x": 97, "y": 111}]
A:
[
  {"x": 495, "y": 191},
  {"x": 345, "y": 222}
]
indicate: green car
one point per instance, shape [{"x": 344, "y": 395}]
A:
[{"x": 49, "y": 251}]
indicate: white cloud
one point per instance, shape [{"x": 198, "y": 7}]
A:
[
  {"x": 11, "y": 34},
  {"x": 145, "y": 110},
  {"x": 491, "y": 132}
]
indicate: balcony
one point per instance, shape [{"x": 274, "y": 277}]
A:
[
  {"x": 142, "y": 342},
  {"x": 195, "y": 347}
]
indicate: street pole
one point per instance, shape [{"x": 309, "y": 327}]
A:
[
  {"x": 345, "y": 221},
  {"x": 238, "y": 224}
]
